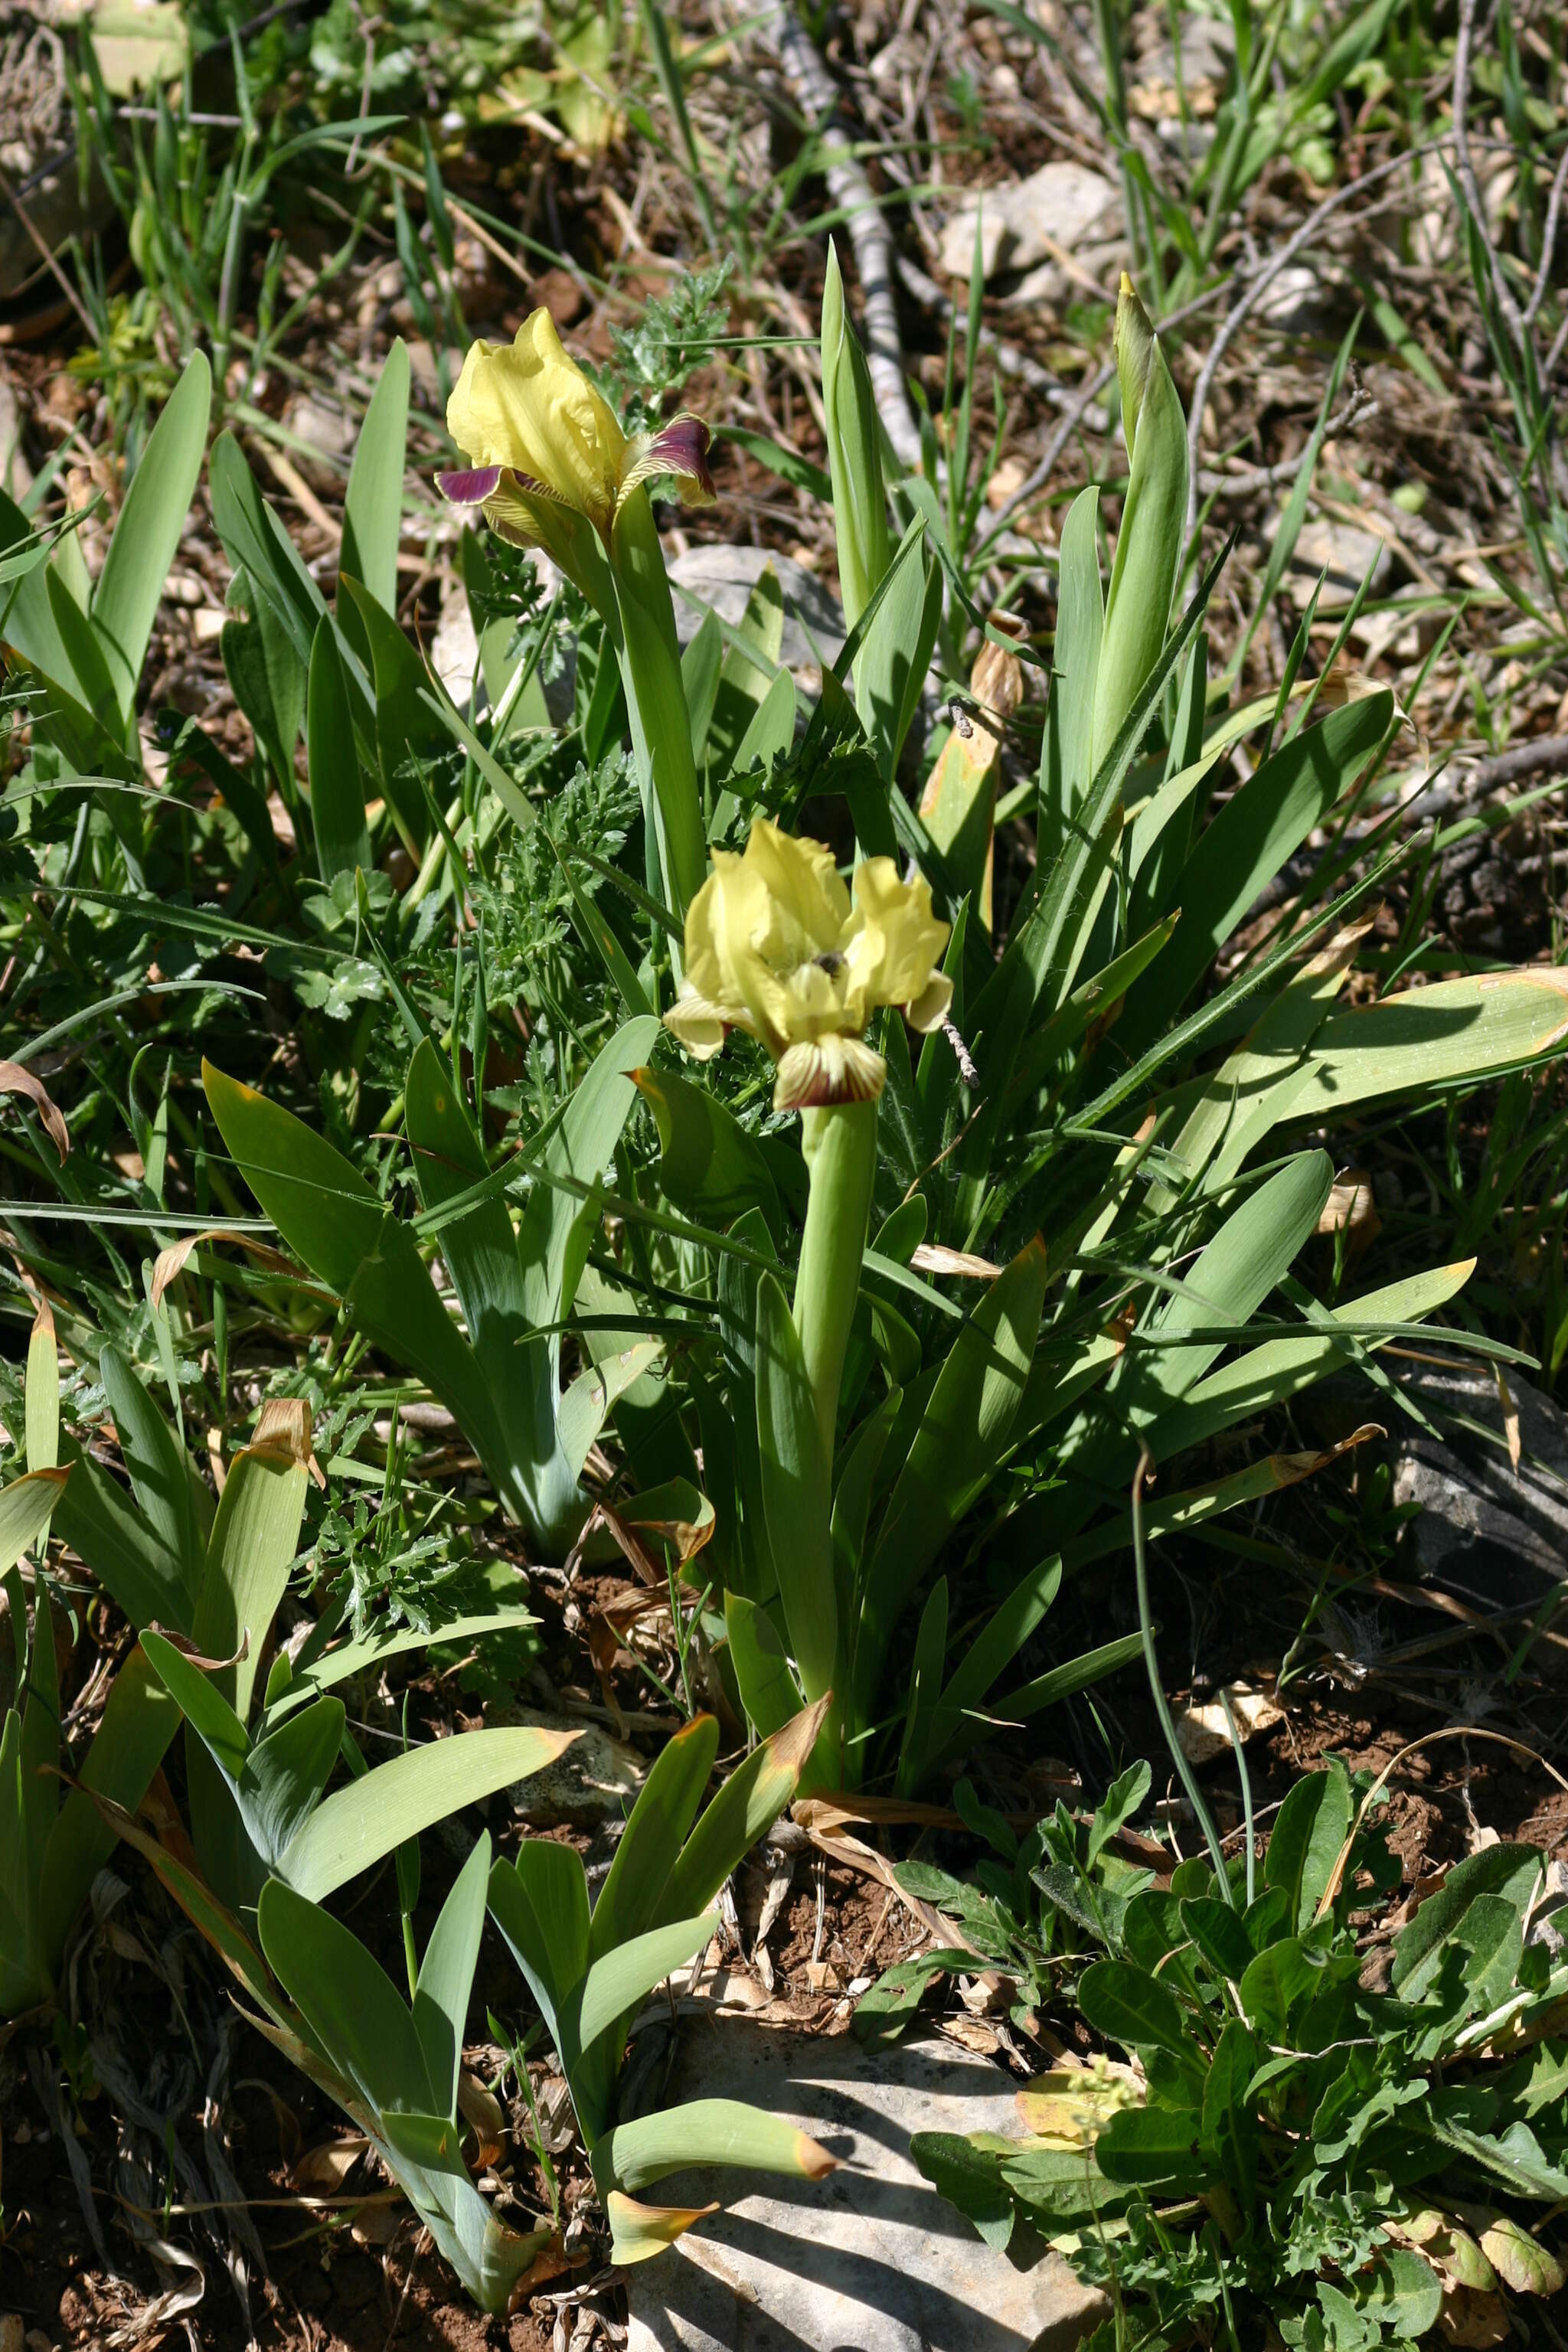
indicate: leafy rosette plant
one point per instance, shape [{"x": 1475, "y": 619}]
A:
[
  {"x": 1292, "y": 2153},
  {"x": 500, "y": 1375},
  {"x": 80, "y": 646},
  {"x": 163, "y": 1554},
  {"x": 1091, "y": 1139}
]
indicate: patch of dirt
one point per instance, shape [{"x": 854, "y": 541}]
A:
[
  {"x": 824, "y": 1950},
  {"x": 324, "y": 2289}
]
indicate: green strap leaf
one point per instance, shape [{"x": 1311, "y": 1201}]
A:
[
  {"x": 540, "y": 1902},
  {"x": 1067, "y": 753},
  {"x": 710, "y": 1166},
  {"x": 1153, "y": 521},
  {"x": 284, "y": 1775},
  {"x": 1244, "y": 847},
  {"x": 769, "y": 1692},
  {"x": 661, "y": 1819},
  {"x": 373, "y": 503},
  {"x": 1280, "y": 1367},
  {"x": 347, "y": 1998},
  {"x": 178, "y": 1509},
  {"x": 406, "y": 731},
  {"x": 256, "y": 545},
  {"x": 147, "y": 535},
  {"x": 25, "y": 1507},
  {"x": 750, "y": 1802},
  {"x": 447, "y": 1976},
  {"x": 357, "y": 1825},
  {"x": 249, "y": 1554},
  {"x": 1448, "y": 1034},
  {"x": 337, "y": 793},
  {"x": 202, "y": 1703},
  {"x": 705, "y": 2131},
  {"x": 625, "y": 1975},
  {"x": 962, "y": 1436}
]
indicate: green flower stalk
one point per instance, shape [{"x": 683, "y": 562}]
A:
[
  {"x": 776, "y": 945},
  {"x": 552, "y": 468},
  {"x": 839, "y": 1140}
]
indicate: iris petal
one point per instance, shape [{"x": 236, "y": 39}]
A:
[
  {"x": 528, "y": 407},
  {"x": 829, "y": 1070},
  {"x": 469, "y": 486},
  {"x": 679, "y": 448},
  {"x": 776, "y": 945}
]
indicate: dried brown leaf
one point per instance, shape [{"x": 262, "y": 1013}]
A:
[
  {"x": 171, "y": 1261},
  {"x": 934, "y": 1257},
  {"x": 15, "y": 1080}
]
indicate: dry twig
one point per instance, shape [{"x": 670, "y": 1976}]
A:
[
  {"x": 868, "y": 232},
  {"x": 1258, "y": 285}
]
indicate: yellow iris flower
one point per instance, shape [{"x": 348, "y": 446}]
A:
[
  {"x": 539, "y": 438},
  {"x": 774, "y": 945}
]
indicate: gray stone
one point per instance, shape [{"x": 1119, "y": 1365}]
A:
[
  {"x": 455, "y": 648},
  {"x": 1292, "y": 303},
  {"x": 1207, "y": 54},
  {"x": 1490, "y": 1530},
  {"x": 1341, "y": 550},
  {"x": 1435, "y": 227},
  {"x": 720, "y": 578},
  {"x": 327, "y": 430},
  {"x": 1063, "y": 205},
  {"x": 596, "y": 1780},
  {"x": 871, "y": 2260},
  {"x": 1093, "y": 270}
]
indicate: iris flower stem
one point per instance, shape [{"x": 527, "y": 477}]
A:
[
  {"x": 840, "y": 1145},
  {"x": 656, "y": 700}
]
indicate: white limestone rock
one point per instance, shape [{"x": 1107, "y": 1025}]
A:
[{"x": 871, "y": 2258}]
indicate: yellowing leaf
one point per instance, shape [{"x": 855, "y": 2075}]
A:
[
  {"x": 1449, "y": 2248},
  {"x": 638, "y": 2231},
  {"x": 1520, "y": 2261},
  {"x": 138, "y": 43},
  {"x": 15, "y": 1080},
  {"x": 1070, "y": 2106}
]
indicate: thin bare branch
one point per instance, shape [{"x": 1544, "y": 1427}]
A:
[
  {"x": 1249, "y": 479},
  {"x": 1548, "y": 240},
  {"x": 1258, "y": 285},
  {"x": 869, "y": 234}
]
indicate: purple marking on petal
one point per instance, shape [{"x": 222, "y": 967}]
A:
[
  {"x": 469, "y": 485},
  {"x": 681, "y": 447},
  {"x": 535, "y": 489}
]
